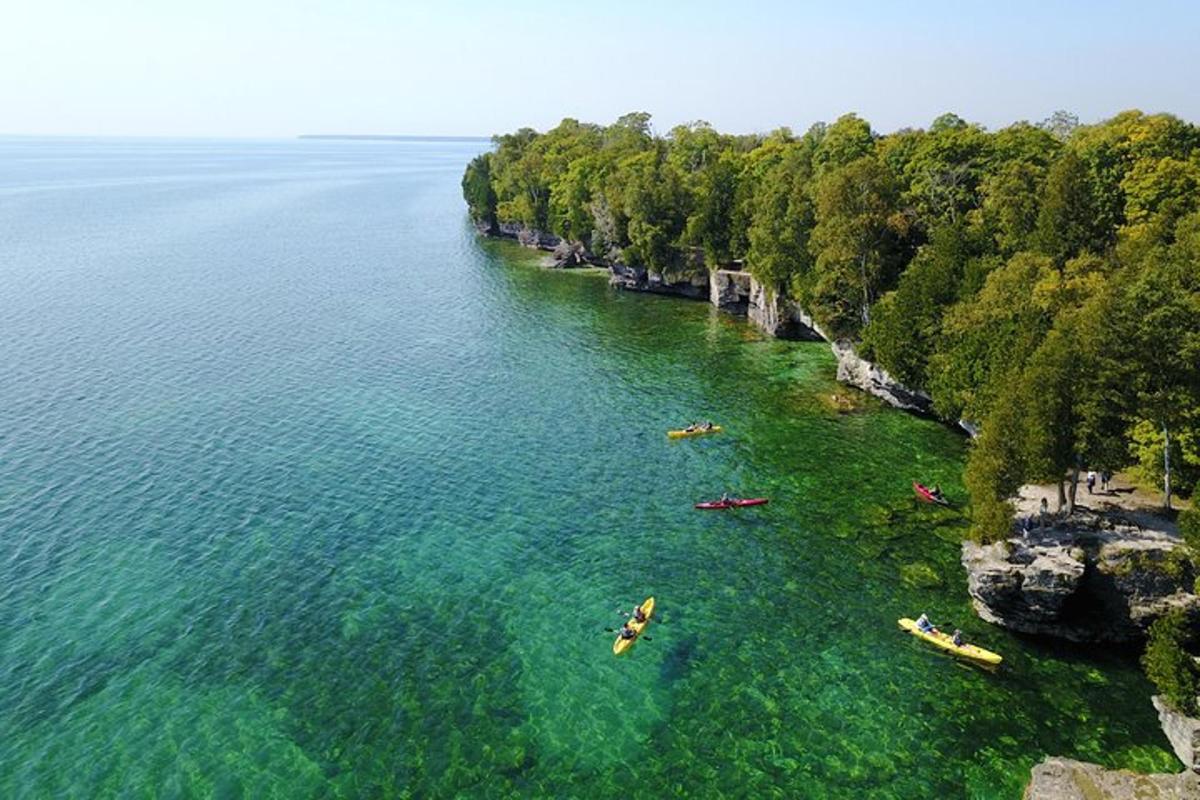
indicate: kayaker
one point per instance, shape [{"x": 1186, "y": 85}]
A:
[
  {"x": 628, "y": 632},
  {"x": 957, "y": 638},
  {"x": 707, "y": 426},
  {"x": 726, "y": 499},
  {"x": 924, "y": 625},
  {"x": 937, "y": 492},
  {"x": 691, "y": 428}
]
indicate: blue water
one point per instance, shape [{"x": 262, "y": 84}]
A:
[{"x": 306, "y": 491}]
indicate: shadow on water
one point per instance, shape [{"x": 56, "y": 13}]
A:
[{"x": 678, "y": 659}]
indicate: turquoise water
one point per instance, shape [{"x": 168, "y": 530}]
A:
[{"x": 305, "y": 491}]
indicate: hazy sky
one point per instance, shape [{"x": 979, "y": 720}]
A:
[{"x": 273, "y": 68}]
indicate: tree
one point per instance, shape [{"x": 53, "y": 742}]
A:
[
  {"x": 994, "y": 468},
  {"x": 715, "y": 201},
  {"x": 1060, "y": 124},
  {"x": 986, "y": 338},
  {"x": 477, "y": 190},
  {"x": 1067, "y": 223},
  {"x": 1169, "y": 666},
  {"x": 843, "y": 142},
  {"x": 854, "y": 240},
  {"x": 1159, "y": 349},
  {"x": 782, "y": 221},
  {"x": 906, "y": 324},
  {"x": 944, "y": 171}
]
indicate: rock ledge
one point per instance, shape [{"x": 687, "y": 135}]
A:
[{"x": 1065, "y": 779}]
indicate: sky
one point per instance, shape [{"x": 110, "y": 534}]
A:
[{"x": 267, "y": 68}]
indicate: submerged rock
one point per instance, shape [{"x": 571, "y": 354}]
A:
[
  {"x": 1182, "y": 731},
  {"x": 1093, "y": 578},
  {"x": 1065, "y": 779}
]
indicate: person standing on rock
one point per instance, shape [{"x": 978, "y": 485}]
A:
[
  {"x": 1091, "y": 481},
  {"x": 1105, "y": 478},
  {"x": 1045, "y": 508}
]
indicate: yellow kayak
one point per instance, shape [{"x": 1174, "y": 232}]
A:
[
  {"x": 693, "y": 432},
  {"x": 621, "y": 645},
  {"x": 946, "y": 642}
]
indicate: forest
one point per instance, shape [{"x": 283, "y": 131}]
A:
[{"x": 1041, "y": 281}]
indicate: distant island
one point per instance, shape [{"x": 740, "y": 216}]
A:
[{"x": 371, "y": 137}]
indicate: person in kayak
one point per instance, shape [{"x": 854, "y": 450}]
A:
[
  {"x": 924, "y": 625},
  {"x": 957, "y": 638},
  {"x": 937, "y": 493},
  {"x": 707, "y": 426},
  {"x": 726, "y": 499},
  {"x": 628, "y": 632}
]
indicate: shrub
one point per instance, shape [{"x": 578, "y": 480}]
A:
[
  {"x": 1169, "y": 666},
  {"x": 1189, "y": 529}
]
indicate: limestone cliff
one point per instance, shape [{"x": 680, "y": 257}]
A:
[{"x": 1090, "y": 578}]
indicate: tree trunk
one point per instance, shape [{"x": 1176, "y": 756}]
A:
[
  {"x": 1062, "y": 497},
  {"x": 862, "y": 275},
  {"x": 1167, "y": 466},
  {"x": 1073, "y": 490}
]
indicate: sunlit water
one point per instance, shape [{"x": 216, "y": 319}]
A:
[{"x": 305, "y": 491}]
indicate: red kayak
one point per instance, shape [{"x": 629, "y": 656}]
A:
[
  {"x": 720, "y": 504},
  {"x": 926, "y": 494}
]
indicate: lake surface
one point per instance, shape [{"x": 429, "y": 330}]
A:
[{"x": 306, "y": 491}]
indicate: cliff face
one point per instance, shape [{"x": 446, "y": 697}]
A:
[
  {"x": 527, "y": 236},
  {"x": 1092, "y": 579},
  {"x": 780, "y": 318},
  {"x": 729, "y": 291},
  {"x": 638, "y": 279},
  {"x": 872, "y": 379},
  {"x": 1183, "y": 733}
]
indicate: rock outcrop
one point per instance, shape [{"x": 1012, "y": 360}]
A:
[
  {"x": 693, "y": 285},
  {"x": 729, "y": 290},
  {"x": 872, "y": 379},
  {"x": 568, "y": 255},
  {"x": 1092, "y": 578},
  {"x": 528, "y": 237},
  {"x": 1183, "y": 732},
  {"x": 1065, "y": 779},
  {"x": 781, "y": 318}
]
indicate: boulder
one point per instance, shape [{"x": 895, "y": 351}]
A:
[
  {"x": 729, "y": 290},
  {"x": 875, "y": 380},
  {"x": 1090, "y": 578},
  {"x": 1183, "y": 732},
  {"x": 570, "y": 254},
  {"x": 1065, "y": 779}
]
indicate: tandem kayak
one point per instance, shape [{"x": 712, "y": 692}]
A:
[
  {"x": 925, "y": 493},
  {"x": 945, "y": 642},
  {"x": 720, "y": 504},
  {"x": 693, "y": 432},
  {"x": 621, "y": 645}
]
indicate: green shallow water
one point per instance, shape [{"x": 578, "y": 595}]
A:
[{"x": 307, "y": 492}]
